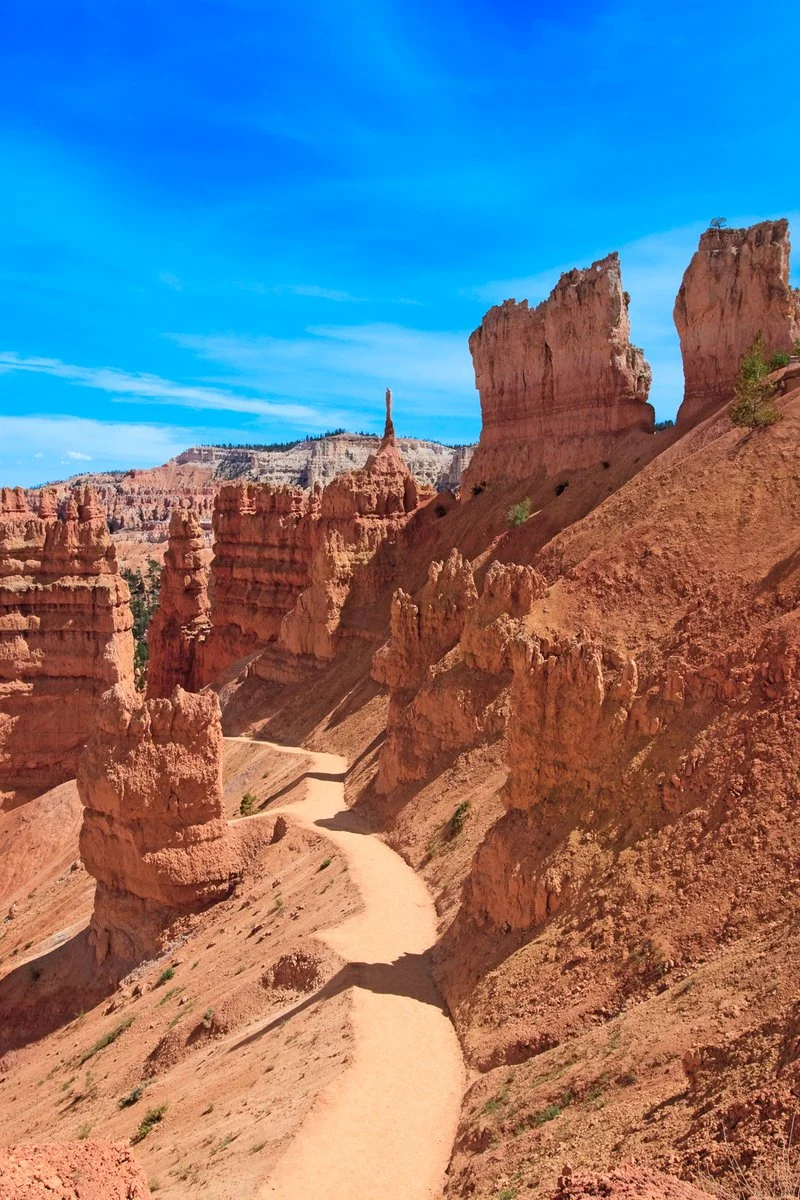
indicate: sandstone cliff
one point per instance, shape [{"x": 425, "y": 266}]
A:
[
  {"x": 181, "y": 622},
  {"x": 360, "y": 517},
  {"x": 263, "y": 550},
  {"x": 65, "y": 635},
  {"x": 736, "y": 285},
  {"x": 154, "y": 833},
  {"x": 448, "y": 665},
  {"x": 558, "y": 383}
]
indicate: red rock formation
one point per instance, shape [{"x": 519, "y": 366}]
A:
[
  {"x": 558, "y": 383},
  {"x": 88, "y": 1170},
  {"x": 262, "y": 563},
  {"x": 360, "y": 515},
  {"x": 154, "y": 833},
  {"x": 448, "y": 665},
  {"x": 421, "y": 633},
  {"x": 65, "y": 637},
  {"x": 736, "y": 284},
  {"x": 181, "y": 622}
]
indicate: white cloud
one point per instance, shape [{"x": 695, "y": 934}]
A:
[
  {"x": 353, "y": 363},
  {"x": 152, "y": 389},
  {"x": 128, "y": 445}
]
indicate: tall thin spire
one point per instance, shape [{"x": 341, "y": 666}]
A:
[{"x": 388, "y": 432}]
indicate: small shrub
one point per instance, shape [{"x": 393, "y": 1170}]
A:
[
  {"x": 152, "y": 1117},
  {"x": 84, "y": 1132},
  {"x": 753, "y": 394},
  {"x": 248, "y": 803},
  {"x": 717, "y": 222},
  {"x": 131, "y": 1098},
  {"x": 106, "y": 1040},
  {"x": 778, "y": 360},
  {"x": 207, "y": 1018},
  {"x": 458, "y": 818},
  {"x": 168, "y": 995},
  {"x": 518, "y": 513},
  {"x": 326, "y": 862},
  {"x": 165, "y": 976}
]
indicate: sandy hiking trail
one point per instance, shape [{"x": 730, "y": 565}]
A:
[{"x": 387, "y": 1127}]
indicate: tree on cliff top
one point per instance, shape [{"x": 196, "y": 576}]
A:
[{"x": 754, "y": 393}]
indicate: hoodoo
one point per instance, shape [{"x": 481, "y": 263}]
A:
[
  {"x": 65, "y": 635},
  {"x": 181, "y": 622},
  {"x": 736, "y": 286},
  {"x": 558, "y": 383},
  {"x": 154, "y": 832}
]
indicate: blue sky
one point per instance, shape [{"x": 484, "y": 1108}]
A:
[{"x": 231, "y": 220}]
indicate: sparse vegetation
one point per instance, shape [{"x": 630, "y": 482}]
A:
[
  {"x": 84, "y": 1132},
  {"x": 208, "y": 1017},
  {"x": 168, "y": 995},
  {"x": 326, "y": 862},
  {"x": 754, "y": 394},
  {"x": 165, "y": 976},
  {"x": 717, "y": 222},
  {"x": 518, "y": 513},
  {"x": 247, "y": 804},
  {"x": 144, "y": 589},
  {"x": 458, "y": 818},
  {"x": 152, "y": 1117},
  {"x": 106, "y": 1040},
  {"x": 778, "y": 360},
  {"x": 131, "y": 1098},
  {"x": 659, "y": 425}
]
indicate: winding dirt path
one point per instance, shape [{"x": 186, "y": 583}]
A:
[{"x": 387, "y": 1127}]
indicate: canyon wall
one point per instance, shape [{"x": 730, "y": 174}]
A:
[
  {"x": 263, "y": 550},
  {"x": 65, "y": 635},
  {"x": 448, "y": 665},
  {"x": 181, "y": 623},
  {"x": 736, "y": 285},
  {"x": 360, "y": 517},
  {"x": 289, "y": 566},
  {"x": 559, "y": 383},
  {"x": 154, "y": 832}
]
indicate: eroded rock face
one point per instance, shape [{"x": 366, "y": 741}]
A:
[
  {"x": 262, "y": 563},
  {"x": 65, "y": 635},
  {"x": 559, "y": 382},
  {"x": 181, "y": 622},
  {"x": 736, "y": 284},
  {"x": 448, "y": 664},
  {"x": 360, "y": 514},
  {"x": 154, "y": 833},
  {"x": 627, "y": 1183}
]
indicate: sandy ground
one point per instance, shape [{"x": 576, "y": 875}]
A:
[{"x": 387, "y": 1125}]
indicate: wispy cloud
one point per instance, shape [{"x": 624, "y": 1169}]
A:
[
  {"x": 152, "y": 389},
  {"x": 171, "y": 281},
  {"x": 351, "y": 363},
  {"x": 42, "y": 440}
]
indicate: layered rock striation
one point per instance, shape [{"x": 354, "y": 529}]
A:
[
  {"x": 354, "y": 538},
  {"x": 263, "y": 550},
  {"x": 65, "y": 635},
  {"x": 559, "y": 383},
  {"x": 182, "y": 621},
  {"x": 154, "y": 832},
  {"x": 736, "y": 286}
]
